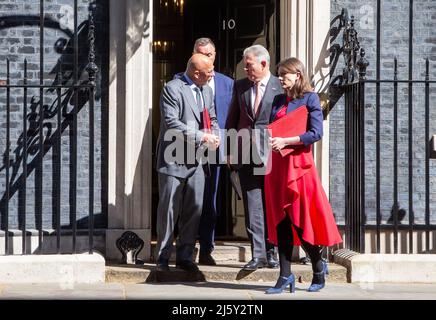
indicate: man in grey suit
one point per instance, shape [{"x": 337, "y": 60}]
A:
[
  {"x": 181, "y": 150},
  {"x": 215, "y": 184},
  {"x": 250, "y": 112}
]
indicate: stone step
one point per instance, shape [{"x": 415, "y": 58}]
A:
[
  {"x": 226, "y": 251},
  {"x": 370, "y": 268},
  {"x": 224, "y": 271}
]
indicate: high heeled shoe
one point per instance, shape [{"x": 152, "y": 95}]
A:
[
  {"x": 318, "y": 281},
  {"x": 282, "y": 283}
]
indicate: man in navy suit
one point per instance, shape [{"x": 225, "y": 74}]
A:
[{"x": 222, "y": 87}]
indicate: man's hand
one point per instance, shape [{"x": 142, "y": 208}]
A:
[{"x": 212, "y": 141}]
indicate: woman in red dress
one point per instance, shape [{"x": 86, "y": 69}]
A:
[{"x": 297, "y": 209}]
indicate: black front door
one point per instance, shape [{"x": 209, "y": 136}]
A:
[{"x": 233, "y": 25}]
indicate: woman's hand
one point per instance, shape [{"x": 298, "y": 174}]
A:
[{"x": 277, "y": 143}]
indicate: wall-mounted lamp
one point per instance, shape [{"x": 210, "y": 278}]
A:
[
  {"x": 176, "y": 5},
  {"x": 163, "y": 48}
]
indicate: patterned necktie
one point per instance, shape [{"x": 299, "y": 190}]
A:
[
  {"x": 257, "y": 98},
  {"x": 199, "y": 99}
]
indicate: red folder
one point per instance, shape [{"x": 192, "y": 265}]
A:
[{"x": 291, "y": 125}]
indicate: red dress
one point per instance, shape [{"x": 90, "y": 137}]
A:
[{"x": 293, "y": 188}]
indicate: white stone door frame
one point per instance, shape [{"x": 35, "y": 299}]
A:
[
  {"x": 130, "y": 123},
  {"x": 304, "y": 34}
]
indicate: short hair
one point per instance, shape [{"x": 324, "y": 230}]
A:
[
  {"x": 201, "y": 42},
  {"x": 258, "y": 51}
]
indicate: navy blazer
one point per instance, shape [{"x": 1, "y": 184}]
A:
[
  {"x": 315, "y": 117},
  {"x": 223, "y": 97}
]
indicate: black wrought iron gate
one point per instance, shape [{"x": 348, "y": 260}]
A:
[
  {"x": 44, "y": 119},
  {"x": 362, "y": 134}
]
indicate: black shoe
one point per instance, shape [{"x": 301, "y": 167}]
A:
[
  {"x": 254, "y": 264},
  {"x": 272, "y": 261},
  {"x": 206, "y": 259},
  {"x": 162, "y": 265},
  {"x": 187, "y": 265}
]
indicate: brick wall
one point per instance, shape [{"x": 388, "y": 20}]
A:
[
  {"x": 394, "y": 43},
  {"x": 19, "y": 40}
]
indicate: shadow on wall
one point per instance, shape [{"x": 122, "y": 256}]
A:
[
  {"x": 387, "y": 242},
  {"x": 137, "y": 17},
  {"x": 49, "y": 242},
  {"x": 63, "y": 74},
  {"x": 122, "y": 199},
  {"x": 328, "y": 60},
  {"x": 335, "y": 86}
]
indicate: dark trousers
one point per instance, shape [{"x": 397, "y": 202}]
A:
[
  {"x": 253, "y": 197},
  {"x": 210, "y": 211}
]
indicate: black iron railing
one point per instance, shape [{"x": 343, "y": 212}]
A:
[
  {"x": 35, "y": 140},
  {"x": 354, "y": 85}
]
